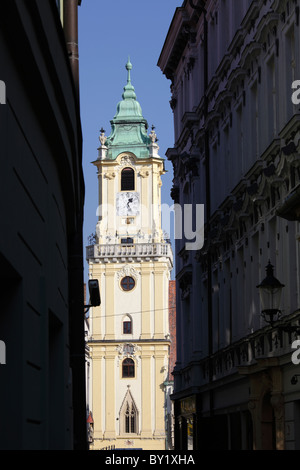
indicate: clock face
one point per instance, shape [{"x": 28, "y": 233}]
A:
[{"x": 128, "y": 203}]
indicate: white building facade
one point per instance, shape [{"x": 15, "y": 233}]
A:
[{"x": 233, "y": 67}]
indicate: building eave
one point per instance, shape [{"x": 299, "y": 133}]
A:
[
  {"x": 290, "y": 208},
  {"x": 175, "y": 43}
]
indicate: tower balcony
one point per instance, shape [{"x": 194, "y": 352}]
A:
[{"x": 135, "y": 252}]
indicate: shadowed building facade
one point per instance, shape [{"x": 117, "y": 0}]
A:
[
  {"x": 231, "y": 65},
  {"x": 42, "y": 395}
]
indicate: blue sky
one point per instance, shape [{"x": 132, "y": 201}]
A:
[{"x": 109, "y": 32}]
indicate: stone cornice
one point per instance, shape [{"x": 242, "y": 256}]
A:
[
  {"x": 149, "y": 342},
  {"x": 175, "y": 42}
]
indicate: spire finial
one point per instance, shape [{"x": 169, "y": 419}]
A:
[
  {"x": 128, "y": 68},
  {"x": 128, "y": 89}
]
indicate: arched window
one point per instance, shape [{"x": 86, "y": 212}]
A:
[
  {"x": 127, "y": 326},
  {"x": 127, "y": 368},
  {"x": 127, "y": 179}
]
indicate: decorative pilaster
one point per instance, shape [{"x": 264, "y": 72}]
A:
[
  {"x": 160, "y": 369},
  {"x": 110, "y": 418},
  {"x": 97, "y": 364},
  {"x": 146, "y": 301},
  {"x": 109, "y": 310},
  {"x": 159, "y": 302},
  {"x": 146, "y": 405}
]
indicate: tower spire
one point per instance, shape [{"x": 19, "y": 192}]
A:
[{"x": 129, "y": 92}]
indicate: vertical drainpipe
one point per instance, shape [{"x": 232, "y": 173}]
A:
[
  {"x": 202, "y": 11},
  {"x": 77, "y": 341},
  {"x": 70, "y": 23}
]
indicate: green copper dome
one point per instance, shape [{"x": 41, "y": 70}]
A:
[{"x": 129, "y": 128}]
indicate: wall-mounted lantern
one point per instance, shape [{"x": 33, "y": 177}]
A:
[{"x": 270, "y": 290}]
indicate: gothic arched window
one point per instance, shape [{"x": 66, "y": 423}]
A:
[
  {"x": 129, "y": 416},
  {"x": 127, "y": 179}
]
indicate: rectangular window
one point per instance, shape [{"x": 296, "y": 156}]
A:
[
  {"x": 127, "y": 328},
  {"x": 127, "y": 428},
  {"x": 127, "y": 241},
  {"x": 132, "y": 422}
]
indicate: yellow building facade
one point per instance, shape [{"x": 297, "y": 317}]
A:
[{"x": 129, "y": 338}]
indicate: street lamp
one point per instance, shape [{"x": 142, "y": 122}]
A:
[
  {"x": 270, "y": 290},
  {"x": 95, "y": 299},
  {"x": 294, "y": 379}
]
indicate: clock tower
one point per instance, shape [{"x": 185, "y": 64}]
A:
[{"x": 129, "y": 332}]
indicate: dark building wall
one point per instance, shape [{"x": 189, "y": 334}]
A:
[
  {"x": 172, "y": 326},
  {"x": 41, "y": 202}
]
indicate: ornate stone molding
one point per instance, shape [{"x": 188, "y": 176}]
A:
[
  {"x": 127, "y": 350},
  {"x": 126, "y": 160},
  {"x": 127, "y": 271},
  {"x": 144, "y": 173},
  {"x": 109, "y": 175}
]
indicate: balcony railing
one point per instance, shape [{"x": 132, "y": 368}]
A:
[{"x": 135, "y": 250}]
